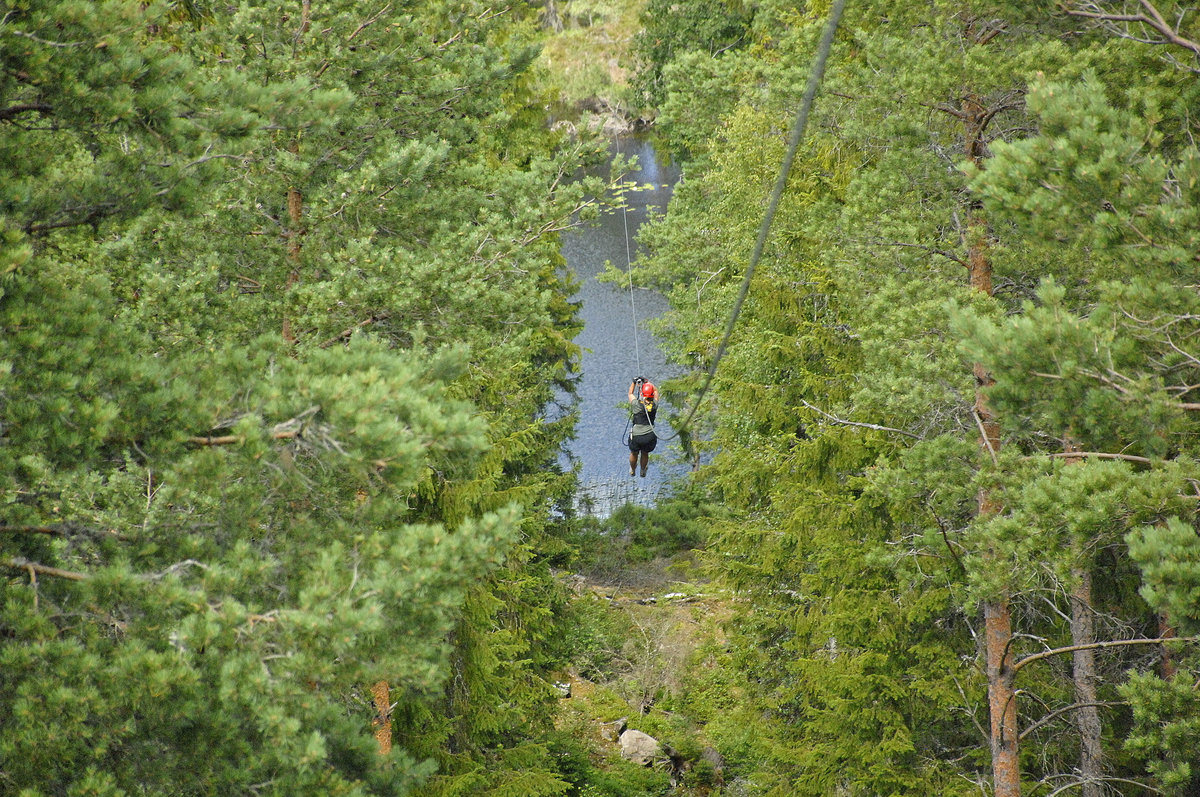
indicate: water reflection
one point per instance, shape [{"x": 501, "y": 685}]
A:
[{"x": 617, "y": 346}]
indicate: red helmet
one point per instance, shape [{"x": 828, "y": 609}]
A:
[{"x": 648, "y": 390}]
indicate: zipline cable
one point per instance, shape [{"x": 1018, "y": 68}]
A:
[
  {"x": 810, "y": 91},
  {"x": 629, "y": 271}
]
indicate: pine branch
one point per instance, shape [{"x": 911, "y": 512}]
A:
[
  {"x": 286, "y": 430},
  {"x": 1187, "y": 406},
  {"x": 16, "y": 110},
  {"x": 64, "y": 530},
  {"x": 1152, "y": 19},
  {"x": 1102, "y": 455},
  {"x": 20, "y": 563}
]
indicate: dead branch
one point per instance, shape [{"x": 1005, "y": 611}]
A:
[
  {"x": 1102, "y": 455},
  {"x": 16, "y": 110},
  {"x": 346, "y": 333},
  {"x": 923, "y": 248},
  {"x": 1076, "y": 782},
  {"x": 1045, "y": 654},
  {"x": 21, "y": 563},
  {"x": 874, "y": 426},
  {"x": 373, "y": 19},
  {"x": 1059, "y": 712},
  {"x": 285, "y": 430},
  {"x": 1152, "y": 19},
  {"x": 64, "y": 530},
  {"x": 983, "y": 434}
]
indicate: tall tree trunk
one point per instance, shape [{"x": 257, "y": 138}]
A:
[
  {"x": 295, "y": 200},
  {"x": 551, "y": 18},
  {"x": 1087, "y": 715},
  {"x": 1166, "y": 630},
  {"x": 1083, "y": 669},
  {"x": 997, "y": 614},
  {"x": 1002, "y": 697},
  {"x": 383, "y": 716},
  {"x": 295, "y": 204}
]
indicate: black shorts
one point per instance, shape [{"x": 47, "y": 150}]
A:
[{"x": 643, "y": 442}]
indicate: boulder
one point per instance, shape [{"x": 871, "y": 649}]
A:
[{"x": 640, "y": 748}]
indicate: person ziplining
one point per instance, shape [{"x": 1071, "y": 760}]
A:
[{"x": 643, "y": 407}]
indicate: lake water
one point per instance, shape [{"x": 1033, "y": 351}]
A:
[{"x": 617, "y": 346}]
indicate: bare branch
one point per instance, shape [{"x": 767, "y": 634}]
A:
[
  {"x": 363, "y": 26},
  {"x": 1045, "y": 654},
  {"x": 286, "y": 430},
  {"x": 40, "y": 40},
  {"x": 346, "y": 333},
  {"x": 929, "y": 249},
  {"x": 16, "y": 110},
  {"x": 874, "y": 426},
  {"x": 1075, "y": 783},
  {"x": 1102, "y": 455},
  {"x": 1152, "y": 19},
  {"x": 64, "y": 530},
  {"x": 1059, "y": 712},
  {"x": 20, "y": 563},
  {"x": 983, "y": 435}
]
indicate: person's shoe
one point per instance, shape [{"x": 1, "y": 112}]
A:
[
  {"x": 643, "y": 474},
  {"x": 631, "y": 471}
]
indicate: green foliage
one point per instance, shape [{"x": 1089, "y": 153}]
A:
[
  {"x": 1167, "y": 728},
  {"x": 633, "y": 534},
  {"x": 1169, "y": 555},
  {"x": 282, "y": 310},
  {"x": 843, "y": 423},
  {"x": 671, "y": 29}
]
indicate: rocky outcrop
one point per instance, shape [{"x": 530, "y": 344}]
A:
[{"x": 611, "y": 731}]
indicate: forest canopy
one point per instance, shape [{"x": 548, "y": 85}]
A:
[
  {"x": 282, "y": 307},
  {"x": 283, "y": 312},
  {"x": 956, "y": 422}
]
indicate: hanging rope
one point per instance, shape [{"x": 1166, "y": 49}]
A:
[
  {"x": 629, "y": 271},
  {"x": 814, "y": 80}
]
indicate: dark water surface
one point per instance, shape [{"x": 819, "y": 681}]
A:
[{"x": 616, "y": 344}]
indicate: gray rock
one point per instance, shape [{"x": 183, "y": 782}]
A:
[
  {"x": 640, "y": 748},
  {"x": 611, "y": 731}
]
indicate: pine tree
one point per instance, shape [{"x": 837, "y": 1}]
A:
[
  {"x": 918, "y": 107},
  {"x": 276, "y": 352}
]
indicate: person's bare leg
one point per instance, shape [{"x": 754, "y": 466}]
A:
[
  {"x": 632, "y": 462},
  {"x": 645, "y": 462}
]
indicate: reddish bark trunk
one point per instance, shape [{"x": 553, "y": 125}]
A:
[
  {"x": 383, "y": 716},
  {"x": 1166, "y": 630},
  {"x": 1002, "y": 697}
]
